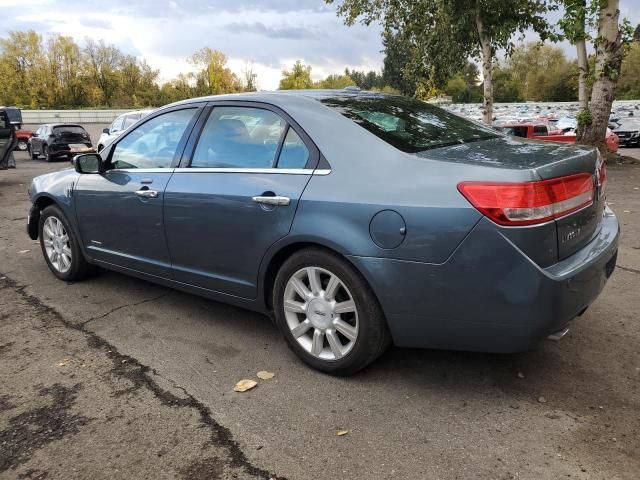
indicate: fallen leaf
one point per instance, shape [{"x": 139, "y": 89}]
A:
[
  {"x": 24, "y": 251},
  {"x": 341, "y": 433},
  {"x": 264, "y": 375},
  {"x": 64, "y": 362},
  {"x": 244, "y": 385},
  {"x": 542, "y": 400}
]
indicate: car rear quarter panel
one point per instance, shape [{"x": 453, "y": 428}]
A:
[{"x": 368, "y": 176}]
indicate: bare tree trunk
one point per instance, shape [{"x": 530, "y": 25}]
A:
[
  {"x": 609, "y": 54},
  {"x": 583, "y": 71},
  {"x": 487, "y": 71}
]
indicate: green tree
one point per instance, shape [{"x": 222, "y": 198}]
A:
[
  {"x": 216, "y": 77},
  {"x": 629, "y": 83},
  {"x": 397, "y": 62},
  {"x": 101, "y": 64},
  {"x": 23, "y": 59},
  {"x": 442, "y": 34},
  {"x": 610, "y": 45},
  {"x": 335, "y": 81},
  {"x": 506, "y": 89},
  {"x": 298, "y": 78}
]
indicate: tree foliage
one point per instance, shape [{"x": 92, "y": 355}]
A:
[
  {"x": 440, "y": 35},
  {"x": 299, "y": 77},
  {"x": 55, "y": 72}
]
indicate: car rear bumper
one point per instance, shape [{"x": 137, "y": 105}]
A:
[
  {"x": 489, "y": 296},
  {"x": 58, "y": 151}
]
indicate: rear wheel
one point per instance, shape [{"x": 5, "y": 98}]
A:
[
  {"x": 60, "y": 246},
  {"x": 22, "y": 145},
  {"x": 328, "y": 313}
]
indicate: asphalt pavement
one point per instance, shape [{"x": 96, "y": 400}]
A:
[{"x": 114, "y": 377}]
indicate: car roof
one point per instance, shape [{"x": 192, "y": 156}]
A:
[{"x": 282, "y": 98}]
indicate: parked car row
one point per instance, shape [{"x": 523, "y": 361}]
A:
[
  {"x": 624, "y": 122},
  {"x": 55, "y": 141}
]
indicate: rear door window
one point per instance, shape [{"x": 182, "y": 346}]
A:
[
  {"x": 239, "y": 137},
  {"x": 294, "y": 153}
]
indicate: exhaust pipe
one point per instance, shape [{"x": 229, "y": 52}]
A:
[{"x": 556, "y": 337}]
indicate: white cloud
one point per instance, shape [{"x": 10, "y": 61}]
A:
[{"x": 272, "y": 33}]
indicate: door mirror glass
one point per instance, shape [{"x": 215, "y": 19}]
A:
[
  {"x": 105, "y": 130},
  {"x": 87, "y": 163}
]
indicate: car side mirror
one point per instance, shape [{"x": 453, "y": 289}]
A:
[
  {"x": 35, "y": 134},
  {"x": 105, "y": 130},
  {"x": 88, "y": 163}
]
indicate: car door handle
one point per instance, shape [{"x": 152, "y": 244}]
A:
[
  {"x": 147, "y": 193},
  {"x": 272, "y": 200}
]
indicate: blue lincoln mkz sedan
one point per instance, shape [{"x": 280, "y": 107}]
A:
[{"x": 355, "y": 219}]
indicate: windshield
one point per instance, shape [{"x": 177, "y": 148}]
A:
[
  {"x": 74, "y": 129},
  {"x": 629, "y": 124},
  {"x": 409, "y": 125}
]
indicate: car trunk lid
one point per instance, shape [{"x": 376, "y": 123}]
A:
[{"x": 545, "y": 161}]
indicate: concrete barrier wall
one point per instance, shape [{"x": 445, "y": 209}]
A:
[{"x": 38, "y": 117}]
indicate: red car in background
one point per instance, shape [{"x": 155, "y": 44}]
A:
[
  {"x": 541, "y": 131},
  {"x": 23, "y": 139}
]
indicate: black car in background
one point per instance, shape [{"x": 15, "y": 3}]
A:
[
  {"x": 60, "y": 140},
  {"x": 628, "y": 131}
]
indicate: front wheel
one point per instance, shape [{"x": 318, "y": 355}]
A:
[
  {"x": 327, "y": 313},
  {"x": 60, "y": 246},
  {"x": 22, "y": 145}
]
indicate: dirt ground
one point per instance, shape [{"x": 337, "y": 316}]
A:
[{"x": 114, "y": 377}]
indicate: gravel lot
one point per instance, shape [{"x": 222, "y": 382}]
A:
[{"x": 118, "y": 378}]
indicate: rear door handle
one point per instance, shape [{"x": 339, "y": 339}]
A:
[
  {"x": 147, "y": 193},
  {"x": 272, "y": 200}
]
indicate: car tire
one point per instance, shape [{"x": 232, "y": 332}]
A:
[
  {"x": 60, "y": 246},
  {"x": 321, "y": 327},
  {"x": 32, "y": 154},
  {"x": 45, "y": 152},
  {"x": 22, "y": 145}
]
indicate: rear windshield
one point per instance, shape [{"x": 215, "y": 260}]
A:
[
  {"x": 70, "y": 129},
  {"x": 409, "y": 125}
]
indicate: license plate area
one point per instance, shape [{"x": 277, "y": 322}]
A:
[{"x": 78, "y": 148}]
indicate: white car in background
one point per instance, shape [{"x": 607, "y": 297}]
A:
[{"x": 119, "y": 125}]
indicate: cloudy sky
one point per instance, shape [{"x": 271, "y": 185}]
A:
[{"x": 271, "y": 33}]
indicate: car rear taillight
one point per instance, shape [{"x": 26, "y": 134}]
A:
[{"x": 530, "y": 203}]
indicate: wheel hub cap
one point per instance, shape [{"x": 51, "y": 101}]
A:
[
  {"x": 56, "y": 244},
  {"x": 321, "y": 313}
]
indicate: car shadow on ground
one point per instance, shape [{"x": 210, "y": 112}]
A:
[{"x": 551, "y": 370}]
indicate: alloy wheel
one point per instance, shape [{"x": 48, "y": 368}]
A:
[
  {"x": 56, "y": 244},
  {"x": 321, "y": 313}
]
